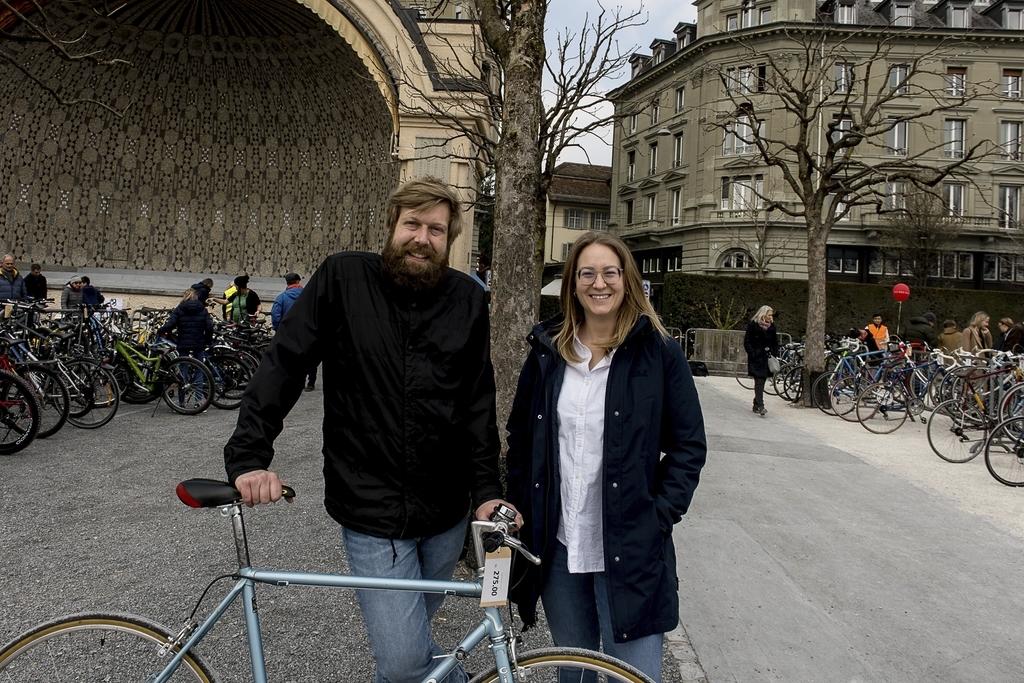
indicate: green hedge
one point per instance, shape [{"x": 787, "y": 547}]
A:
[{"x": 692, "y": 301}]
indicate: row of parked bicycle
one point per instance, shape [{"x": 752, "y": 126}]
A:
[
  {"x": 971, "y": 404},
  {"x": 63, "y": 367}
]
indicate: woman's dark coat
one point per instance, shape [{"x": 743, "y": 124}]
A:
[
  {"x": 194, "y": 325},
  {"x": 651, "y": 408},
  {"x": 754, "y": 342}
]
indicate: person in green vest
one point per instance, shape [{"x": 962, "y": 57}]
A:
[{"x": 243, "y": 304}]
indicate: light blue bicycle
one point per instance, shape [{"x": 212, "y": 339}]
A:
[{"x": 119, "y": 648}]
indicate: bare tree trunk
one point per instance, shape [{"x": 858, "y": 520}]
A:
[
  {"x": 814, "y": 350},
  {"x": 517, "y": 171}
]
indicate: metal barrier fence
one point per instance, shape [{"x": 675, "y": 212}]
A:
[{"x": 720, "y": 350}]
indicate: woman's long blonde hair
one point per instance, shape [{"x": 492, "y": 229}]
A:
[
  {"x": 762, "y": 313},
  {"x": 977, "y": 319},
  {"x": 634, "y": 303}
]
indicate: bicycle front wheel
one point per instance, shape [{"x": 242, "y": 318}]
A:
[
  {"x": 1004, "y": 452},
  {"x": 95, "y": 394},
  {"x": 745, "y": 380},
  {"x": 882, "y": 408},
  {"x": 96, "y": 647},
  {"x": 19, "y": 413},
  {"x": 542, "y": 666},
  {"x": 956, "y": 431},
  {"x": 187, "y": 385}
]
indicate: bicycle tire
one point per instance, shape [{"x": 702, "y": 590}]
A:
[
  {"x": 1004, "y": 452},
  {"x": 882, "y": 408},
  {"x": 541, "y": 666},
  {"x": 132, "y": 391},
  {"x": 1012, "y": 404},
  {"x": 821, "y": 391},
  {"x": 954, "y": 433},
  {"x": 744, "y": 380},
  {"x": 844, "y": 397},
  {"x": 181, "y": 390},
  {"x": 231, "y": 376},
  {"x": 95, "y": 394},
  {"x": 113, "y": 648},
  {"x": 19, "y": 414},
  {"x": 51, "y": 394}
]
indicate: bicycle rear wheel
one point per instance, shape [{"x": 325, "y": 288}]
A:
[
  {"x": 541, "y": 666},
  {"x": 1004, "y": 452},
  {"x": 956, "y": 432},
  {"x": 882, "y": 408},
  {"x": 820, "y": 394},
  {"x": 19, "y": 414},
  {"x": 844, "y": 396},
  {"x": 230, "y": 377},
  {"x": 186, "y": 385},
  {"x": 95, "y": 394},
  {"x": 745, "y": 380},
  {"x": 83, "y": 648},
  {"x": 51, "y": 394}
]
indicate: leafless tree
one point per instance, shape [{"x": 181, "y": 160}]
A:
[
  {"x": 916, "y": 235},
  {"x": 820, "y": 107},
  {"x": 534, "y": 127},
  {"x": 20, "y": 26}
]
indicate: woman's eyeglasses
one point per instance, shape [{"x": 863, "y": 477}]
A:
[{"x": 588, "y": 276}]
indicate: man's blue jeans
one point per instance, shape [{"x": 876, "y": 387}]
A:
[
  {"x": 576, "y": 606},
  {"x": 399, "y": 623}
]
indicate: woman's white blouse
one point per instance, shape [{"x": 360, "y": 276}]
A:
[{"x": 580, "y": 460}]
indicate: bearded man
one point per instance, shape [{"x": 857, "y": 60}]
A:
[{"x": 409, "y": 434}]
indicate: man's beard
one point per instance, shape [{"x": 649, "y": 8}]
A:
[{"x": 409, "y": 274}]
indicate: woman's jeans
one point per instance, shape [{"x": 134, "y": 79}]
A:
[
  {"x": 759, "y": 391},
  {"x": 398, "y": 623},
  {"x": 576, "y": 606}
]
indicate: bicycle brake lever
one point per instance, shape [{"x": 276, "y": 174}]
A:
[{"x": 517, "y": 545}]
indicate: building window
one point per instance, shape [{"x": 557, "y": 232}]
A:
[
  {"x": 1012, "y": 19},
  {"x": 573, "y": 219},
  {"x": 1011, "y": 82},
  {"x": 843, "y": 125},
  {"x": 846, "y": 13},
  {"x": 953, "y": 265},
  {"x": 737, "y": 259},
  {"x": 953, "y": 194},
  {"x": 1009, "y": 206},
  {"x": 732, "y": 22},
  {"x": 766, "y": 15},
  {"x": 896, "y": 139},
  {"x": 629, "y": 211},
  {"x": 895, "y": 196},
  {"x": 630, "y": 166},
  {"x": 651, "y": 265},
  {"x": 748, "y": 17},
  {"x": 844, "y": 77},
  {"x": 1010, "y": 140},
  {"x": 672, "y": 263},
  {"x": 956, "y": 81},
  {"x": 632, "y": 122},
  {"x": 839, "y": 209},
  {"x": 842, "y": 260},
  {"x": 680, "y": 99},
  {"x": 959, "y": 17},
  {"x": 599, "y": 221},
  {"x": 677, "y": 150},
  {"x": 898, "y": 76},
  {"x": 653, "y": 168},
  {"x": 458, "y": 11},
  {"x": 652, "y": 206},
  {"x": 566, "y": 246},
  {"x": 677, "y": 201},
  {"x": 1001, "y": 267},
  {"x": 954, "y": 138},
  {"x": 742, "y": 193},
  {"x": 739, "y": 136},
  {"x": 655, "y": 113},
  {"x": 902, "y": 14}
]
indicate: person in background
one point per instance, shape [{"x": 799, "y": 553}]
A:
[
  {"x": 35, "y": 282},
  {"x": 90, "y": 295},
  {"x": 1014, "y": 339},
  {"x": 12, "y": 284},
  {"x": 976, "y": 336},
  {"x": 71, "y": 295},
  {"x": 203, "y": 289},
  {"x": 760, "y": 340},
  {"x": 194, "y": 326},
  {"x": 921, "y": 330},
  {"x": 879, "y": 331},
  {"x": 999, "y": 342},
  {"x": 243, "y": 304},
  {"x": 282, "y": 303},
  {"x": 949, "y": 340},
  {"x": 865, "y": 337},
  {"x": 605, "y": 447}
]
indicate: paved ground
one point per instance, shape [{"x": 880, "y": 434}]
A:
[{"x": 814, "y": 550}]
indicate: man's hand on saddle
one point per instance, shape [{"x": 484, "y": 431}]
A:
[{"x": 260, "y": 487}]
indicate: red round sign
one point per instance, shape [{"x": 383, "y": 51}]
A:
[{"x": 901, "y": 292}]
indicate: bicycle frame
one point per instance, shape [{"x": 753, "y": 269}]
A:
[
  {"x": 127, "y": 352},
  {"x": 490, "y": 626}
]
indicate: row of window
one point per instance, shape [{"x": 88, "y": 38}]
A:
[
  {"x": 578, "y": 219},
  {"x": 957, "y": 15},
  {"x": 651, "y": 204},
  {"x": 1011, "y": 137},
  {"x": 652, "y": 158},
  {"x": 1008, "y": 209},
  {"x": 655, "y": 109},
  {"x": 748, "y": 16},
  {"x": 953, "y": 265},
  {"x": 844, "y": 76}
]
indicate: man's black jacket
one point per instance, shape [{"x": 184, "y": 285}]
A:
[{"x": 409, "y": 415}]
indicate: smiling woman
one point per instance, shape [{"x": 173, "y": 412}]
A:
[{"x": 604, "y": 393}]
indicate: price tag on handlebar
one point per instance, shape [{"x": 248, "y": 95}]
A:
[{"x": 497, "y": 567}]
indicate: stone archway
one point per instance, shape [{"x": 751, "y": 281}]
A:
[{"x": 258, "y": 142}]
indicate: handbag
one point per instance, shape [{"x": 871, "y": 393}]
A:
[{"x": 773, "y": 363}]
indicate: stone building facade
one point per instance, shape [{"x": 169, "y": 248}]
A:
[
  {"x": 257, "y": 136},
  {"x": 684, "y": 195}
]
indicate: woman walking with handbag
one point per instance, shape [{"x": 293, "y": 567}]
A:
[{"x": 762, "y": 346}]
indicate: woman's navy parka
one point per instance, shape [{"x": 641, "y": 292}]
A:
[{"x": 654, "y": 449}]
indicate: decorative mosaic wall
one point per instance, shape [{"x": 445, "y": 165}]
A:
[{"x": 256, "y": 142}]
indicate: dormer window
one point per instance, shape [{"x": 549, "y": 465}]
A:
[
  {"x": 659, "y": 55},
  {"x": 846, "y": 13},
  {"x": 902, "y": 14},
  {"x": 958, "y": 17},
  {"x": 1013, "y": 18}
]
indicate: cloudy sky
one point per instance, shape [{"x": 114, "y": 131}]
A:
[{"x": 658, "y": 17}]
